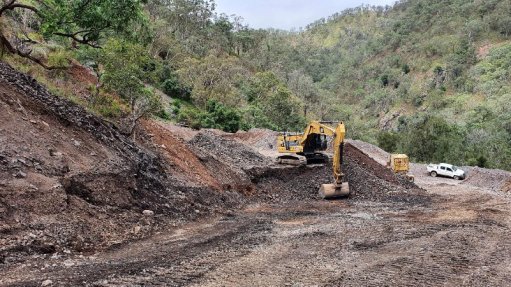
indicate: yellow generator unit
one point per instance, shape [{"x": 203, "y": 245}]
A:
[{"x": 400, "y": 164}]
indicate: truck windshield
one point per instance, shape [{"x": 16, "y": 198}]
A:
[{"x": 455, "y": 168}]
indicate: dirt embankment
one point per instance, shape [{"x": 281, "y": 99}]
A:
[
  {"x": 69, "y": 181},
  {"x": 495, "y": 180}
]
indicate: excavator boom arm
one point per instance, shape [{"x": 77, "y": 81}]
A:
[
  {"x": 337, "y": 188},
  {"x": 340, "y": 133}
]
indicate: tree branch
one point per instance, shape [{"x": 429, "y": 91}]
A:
[
  {"x": 23, "y": 6},
  {"x": 38, "y": 61},
  {"x": 12, "y": 5},
  {"x": 6, "y": 6},
  {"x": 75, "y": 38},
  {"x": 6, "y": 44}
]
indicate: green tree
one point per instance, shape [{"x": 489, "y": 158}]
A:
[
  {"x": 303, "y": 86},
  {"x": 388, "y": 141},
  {"x": 125, "y": 70},
  {"x": 182, "y": 23},
  {"x": 280, "y": 106},
  {"x": 254, "y": 117},
  {"x": 284, "y": 109},
  {"x": 214, "y": 77},
  {"x": 219, "y": 116},
  {"x": 82, "y": 21},
  {"x": 173, "y": 88},
  {"x": 431, "y": 138}
]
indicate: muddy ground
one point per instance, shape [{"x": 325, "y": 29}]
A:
[
  {"x": 458, "y": 236},
  {"x": 81, "y": 204}
]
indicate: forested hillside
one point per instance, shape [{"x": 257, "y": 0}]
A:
[{"x": 427, "y": 78}]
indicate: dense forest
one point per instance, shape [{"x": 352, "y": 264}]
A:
[{"x": 428, "y": 78}]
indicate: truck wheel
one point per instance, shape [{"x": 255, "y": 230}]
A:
[
  {"x": 456, "y": 177},
  {"x": 433, "y": 174}
]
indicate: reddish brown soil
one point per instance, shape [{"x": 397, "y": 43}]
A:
[
  {"x": 41, "y": 157},
  {"x": 81, "y": 74},
  {"x": 181, "y": 161},
  {"x": 72, "y": 182}
]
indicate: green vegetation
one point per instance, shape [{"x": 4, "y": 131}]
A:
[{"x": 428, "y": 78}]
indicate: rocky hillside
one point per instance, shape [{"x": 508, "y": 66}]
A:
[{"x": 71, "y": 181}]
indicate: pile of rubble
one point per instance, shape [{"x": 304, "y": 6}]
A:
[
  {"x": 492, "y": 179},
  {"x": 236, "y": 161},
  {"x": 228, "y": 160},
  {"x": 232, "y": 153},
  {"x": 70, "y": 181},
  {"x": 370, "y": 180},
  {"x": 259, "y": 139}
]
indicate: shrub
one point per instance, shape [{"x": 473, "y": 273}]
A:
[
  {"x": 405, "y": 68},
  {"x": 174, "y": 89},
  {"x": 219, "y": 116},
  {"x": 432, "y": 138},
  {"x": 384, "y": 80},
  {"x": 254, "y": 117},
  {"x": 190, "y": 116}
]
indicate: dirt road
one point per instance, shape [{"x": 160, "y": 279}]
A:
[{"x": 453, "y": 235}]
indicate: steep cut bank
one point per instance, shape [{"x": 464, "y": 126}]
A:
[{"x": 71, "y": 181}]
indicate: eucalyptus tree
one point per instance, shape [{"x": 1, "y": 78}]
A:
[{"x": 81, "y": 22}]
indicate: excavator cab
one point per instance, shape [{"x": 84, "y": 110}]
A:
[{"x": 304, "y": 148}]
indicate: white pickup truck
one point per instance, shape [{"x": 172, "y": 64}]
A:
[{"x": 447, "y": 170}]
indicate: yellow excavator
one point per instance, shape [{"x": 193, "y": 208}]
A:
[{"x": 309, "y": 147}]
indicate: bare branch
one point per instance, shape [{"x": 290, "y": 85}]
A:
[
  {"x": 75, "y": 38},
  {"x": 23, "y": 6},
  {"x": 6, "y": 44},
  {"x": 6, "y": 6},
  {"x": 11, "y": 5}
]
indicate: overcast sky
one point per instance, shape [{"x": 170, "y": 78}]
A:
[{"x": 287, "y": 14}]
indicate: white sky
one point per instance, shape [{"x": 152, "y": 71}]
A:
[{"x": 287, "y": 14}]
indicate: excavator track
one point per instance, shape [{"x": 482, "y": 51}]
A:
[{"x": 292, "y": 159}]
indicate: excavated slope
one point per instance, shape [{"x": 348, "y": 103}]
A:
[{"x": 69, "y": 181}]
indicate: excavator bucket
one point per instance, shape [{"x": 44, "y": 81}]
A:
[{"x": 331, "y": 191}]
